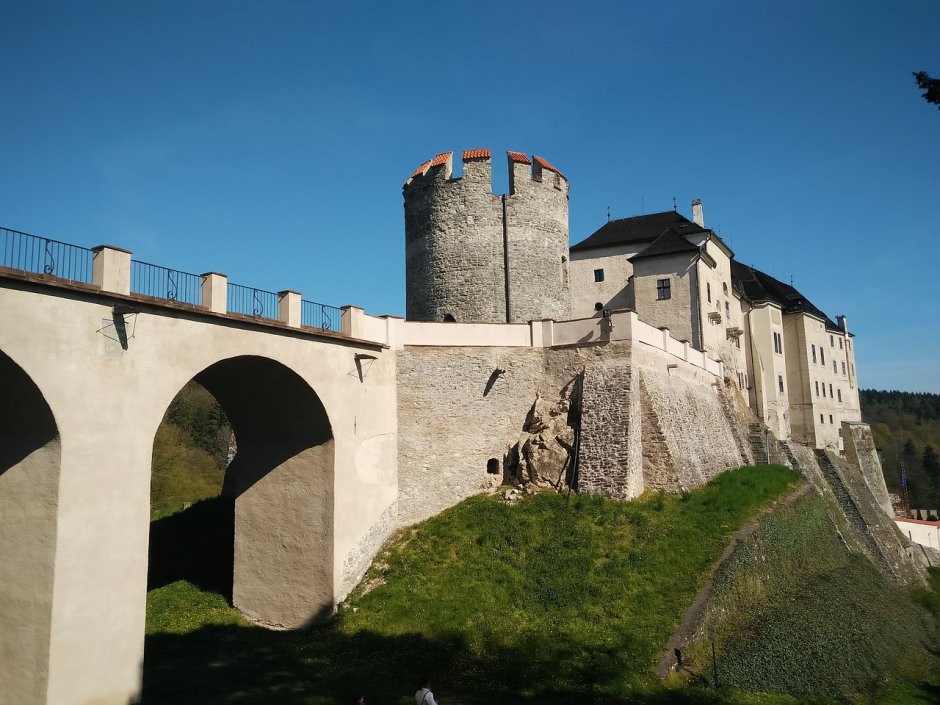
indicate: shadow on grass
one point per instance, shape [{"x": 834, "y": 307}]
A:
[
  {"x": 197, "y": 545},
  {"x": 230, "y": 664}
]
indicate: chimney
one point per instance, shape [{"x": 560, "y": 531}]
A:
[
  {"x": 697, "y": 217},
  {"x": 842, "y": 324}
]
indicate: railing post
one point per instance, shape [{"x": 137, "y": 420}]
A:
[
  {"x": 215, "y": 292},
  {"x": 111, "y": 269},
  {"x": 352, "y": 321},
  {"x": 288, "y": 307}
]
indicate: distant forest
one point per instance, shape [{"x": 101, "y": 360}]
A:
[{"x": 906, "y": 427}]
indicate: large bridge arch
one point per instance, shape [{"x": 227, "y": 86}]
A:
[
  {"x": 30, "y": 455},
  {"x": 281, "y": 481}
]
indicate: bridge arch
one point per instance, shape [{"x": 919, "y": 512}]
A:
[
  {"x": 281, "y": 483},
  {"x": 30, "y": 456}
]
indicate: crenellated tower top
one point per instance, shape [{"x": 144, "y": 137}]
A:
[{"x": 475, "y": 256}]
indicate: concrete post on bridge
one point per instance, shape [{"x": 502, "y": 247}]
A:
[
  {"x": 352, "y": 321},
  {"x": 215, "y": 292},
  {"x": 111, "y": 269},
  {"x": 289, "y": 308}
]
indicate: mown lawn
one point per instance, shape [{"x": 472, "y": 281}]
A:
[{"x": 547, "y": 601}]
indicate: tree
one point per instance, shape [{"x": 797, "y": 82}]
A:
[{"x": 930, "y": 86}]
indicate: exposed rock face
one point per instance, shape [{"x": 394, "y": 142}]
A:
[{"x": 542, "y": 456}]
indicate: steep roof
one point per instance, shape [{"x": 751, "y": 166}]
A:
[
  {"x": 638, "y": 229},
  {"x": 669, "y": 243},
  {"x": 758, "y": 287}
]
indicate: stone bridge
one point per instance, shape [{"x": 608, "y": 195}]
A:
[{"x": 87, "y": 371}]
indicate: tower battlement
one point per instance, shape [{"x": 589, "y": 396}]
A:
[
  {"x": 475, "y": 256},
  {"x": 477, "y": 167}
]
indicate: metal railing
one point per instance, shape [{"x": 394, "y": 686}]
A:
[
  {"x": 251, "y": 302},
  {"x": 316, "y": 315},
  {"x": 162, "y": 283},
  {"x": 42, "y": 255}
]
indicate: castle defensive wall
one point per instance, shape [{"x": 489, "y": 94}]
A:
[{"x": 348, "y": 425}]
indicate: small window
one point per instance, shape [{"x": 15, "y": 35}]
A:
[
  {"x": 832, "y": 341},
  {"x": 492, "y": 466},
  {"x": 830, "y": 419},
  {"x": 663, "y": 289},
  {"x": 780, "y": 382},
  {"x": 822, "y": 355},
  {"x": 737, "y": 341},
  {"x": 830, "y": 391},
  {"x": 814, "y": 353},
  {"x": 598, "y": 275},
  {"x": 778, "y": 343},
  {"x": 843, "y": 368},
  {"x": 727, "y": 309},
  {"x": 724, "y": 287},
  {"x": 708, "y": 291},
  {"x": 822, "y": 419},
  {"x": 598, "y": 306},
  {"x": 817, "y": 388},
  {"x": 839, "y": 393},
  {"x": 835, "y": 369},
  {"x": 824, "y": 390},
  {"x": 840, "y": 343}
]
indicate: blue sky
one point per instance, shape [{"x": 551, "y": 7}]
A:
[{"x": 269, "y": 141}]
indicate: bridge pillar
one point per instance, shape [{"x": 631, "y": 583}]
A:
[
  {"x": 288, "y": 308},
  {"x": 111, "y": 269},
  {"x": 215, "y": 292}
]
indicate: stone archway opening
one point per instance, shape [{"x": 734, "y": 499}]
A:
[
  {"x": 30, "y": 454},
  {"x": 265, "y": 542}
]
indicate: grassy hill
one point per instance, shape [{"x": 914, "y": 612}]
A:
[{"x": 545, "y": 601}]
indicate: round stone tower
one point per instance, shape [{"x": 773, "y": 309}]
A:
[{"x": 474, "y": 257}]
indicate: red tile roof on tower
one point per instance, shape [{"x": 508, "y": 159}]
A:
[
  {"x": 440, "y": 159},
  {"x": 421, "y": 169},
  {"x": 476, "y": 154},
  {"x": 545, "y": 165},
  {"x": 518, "y": 157}
]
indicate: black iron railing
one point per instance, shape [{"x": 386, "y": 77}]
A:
[
  {"x": 317, "y": 315},
  {"x": 41, "y": 255},
  {"x": 252, "y": 302},
  {"x": 162, "y": 283}
]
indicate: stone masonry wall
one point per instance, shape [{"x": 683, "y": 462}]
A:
[
  {"x": 860, "y": 452},
  {"x": 457, "y": 411}
]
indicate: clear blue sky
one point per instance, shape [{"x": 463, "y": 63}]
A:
[{"x": 269, "y": 140}]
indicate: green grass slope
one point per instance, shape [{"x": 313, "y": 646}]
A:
[
  {"x": 543, "y": 601},
  {"x": 792, "y": 610}
]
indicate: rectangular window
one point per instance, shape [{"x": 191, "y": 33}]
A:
[
  {"x": 830, "y": 418},
  {"x": 839, "y": 392},
  {"x": 832, "y": 341},
  {"x": 824, "y": 390},
  {"x": 780, "y": 382},
  {"x": 843, "y": 368},
  {"x": 814, "y": 353},
  {"x": 727, "y": 309},
  {"x": 834, "y": 368},
  {"x": 662, "y": 289},
  {"x": 840, "y": 343},
  {"x": 822, "y": 355},
  {"x": 778, "y": 343},
  {"x": 830, "y": 391},
  {"x": 708, "y": 291},
  {"x": 817, "y": 388},
  {"x": 598, "y": 275},
  {"x": 821, "y": 419}
]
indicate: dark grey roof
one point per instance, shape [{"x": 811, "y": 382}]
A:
[
  {"x": 639, "y": 229},
  {"x": 757, "y": 287},
  {"x": 669, "y": 243}
]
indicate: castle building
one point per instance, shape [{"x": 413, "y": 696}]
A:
[{"x": 476, "y": 257}]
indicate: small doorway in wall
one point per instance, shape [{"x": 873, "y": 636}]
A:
[{"x": 492, "y": 466}]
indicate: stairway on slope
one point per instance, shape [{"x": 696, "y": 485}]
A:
[
  {"x": 756, "y": 437},
  {"x": 852, "y": 513}
]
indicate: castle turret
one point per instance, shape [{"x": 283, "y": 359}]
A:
[{"x": 473, "y": 256}]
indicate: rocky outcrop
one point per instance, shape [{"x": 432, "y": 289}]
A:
[{"x": 542, "y": 456}]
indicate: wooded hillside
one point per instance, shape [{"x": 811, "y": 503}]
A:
[{"x": 906, "y": 428}]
